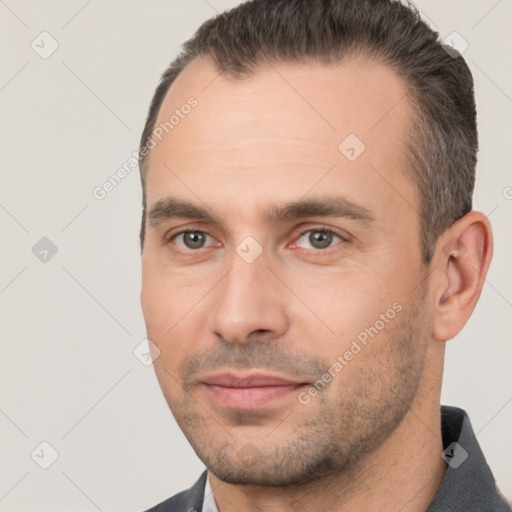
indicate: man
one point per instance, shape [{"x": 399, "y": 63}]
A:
[{"x": 308, "y": 248}]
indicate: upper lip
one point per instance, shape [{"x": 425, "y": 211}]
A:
[{"x": 249, "y": 380}]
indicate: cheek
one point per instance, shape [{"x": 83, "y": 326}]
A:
[
  {"x": 337, "y": 307},
  {"x": 340, "y": 296},
  {"x": 173, "y": 314},
  {"x": 154, "y": 302},
  {"x": 165, "y": 298},
  {"x": 184, "y": 340}
]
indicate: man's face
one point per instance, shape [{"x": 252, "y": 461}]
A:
[{"x": 276, "y": 260}]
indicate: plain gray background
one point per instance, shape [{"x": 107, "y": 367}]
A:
[{"x": 68, "y": 375}]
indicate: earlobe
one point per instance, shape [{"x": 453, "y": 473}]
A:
[{"x": 463, "y": 256}]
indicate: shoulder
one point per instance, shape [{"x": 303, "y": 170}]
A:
[
  {"x": 468, "y": 483},
  {"x": 190, "y": 500}
]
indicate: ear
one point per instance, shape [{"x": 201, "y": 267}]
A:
[{"x": 462, "y": 257}]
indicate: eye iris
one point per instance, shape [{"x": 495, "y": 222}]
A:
[
  {"x": 194, "y": 240},
  {"x": 320, "y": 239}
]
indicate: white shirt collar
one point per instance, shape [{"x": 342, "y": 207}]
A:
[{"x": 209, "y": 504}]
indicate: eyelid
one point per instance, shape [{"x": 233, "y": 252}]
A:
[
  {"x": 345, "y": 237},
  {"x": 188, "y": 228},
  {"x": 170, "y": 238}
]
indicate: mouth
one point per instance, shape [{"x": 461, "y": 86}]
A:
[{"x": 249, "y": 391}]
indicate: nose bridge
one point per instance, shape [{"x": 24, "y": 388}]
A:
[{"x": 247, "y": 300}]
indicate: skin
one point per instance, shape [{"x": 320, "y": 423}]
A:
[{"x": 371, "y": 439}]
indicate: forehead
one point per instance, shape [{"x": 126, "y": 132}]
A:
[
  {"x": 354, "y": 94},
  {"x": 286, "y": 124}
]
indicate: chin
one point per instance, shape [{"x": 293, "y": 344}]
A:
[{"x": 275, "y": 471}]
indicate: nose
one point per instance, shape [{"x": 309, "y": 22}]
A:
[{"x": 249, "y": 302}]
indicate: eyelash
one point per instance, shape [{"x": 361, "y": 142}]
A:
[{"x": 324, "y": 229}]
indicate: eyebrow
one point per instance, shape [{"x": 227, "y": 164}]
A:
[{"x": 339, "y": 207}]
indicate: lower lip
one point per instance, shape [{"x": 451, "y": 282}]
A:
[{"x": 250, "y": 398}]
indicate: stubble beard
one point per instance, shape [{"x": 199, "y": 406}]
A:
[{"x": 341, "y": 431}]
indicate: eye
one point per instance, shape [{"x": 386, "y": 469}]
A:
[
  {"x": 318, "y": 239},
  {"x": 192, "y": 239}
]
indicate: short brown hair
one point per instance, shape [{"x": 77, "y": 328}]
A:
[{"x": 443, "y": 141}]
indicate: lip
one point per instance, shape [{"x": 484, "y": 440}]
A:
[{"x": 249, "y": 391}]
